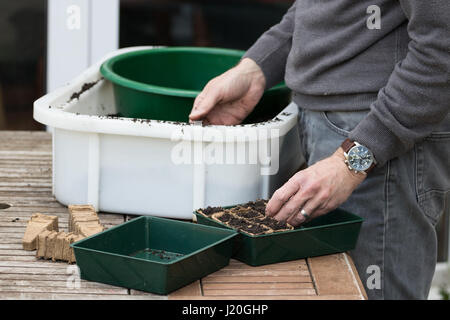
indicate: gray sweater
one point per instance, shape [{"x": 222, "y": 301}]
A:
[{"x": 334, "y": 57}]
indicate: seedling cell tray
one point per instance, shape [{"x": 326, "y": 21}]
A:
[
  {"x": 334, "y": 232},
  {"x": 154, "y": 254}
]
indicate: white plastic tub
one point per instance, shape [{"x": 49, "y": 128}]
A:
[{"x": 124, "y": 165}]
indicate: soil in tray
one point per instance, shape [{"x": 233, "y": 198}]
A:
[
  {"x": 258, "y": 205},
  {"x": 247, "y": 213},
  {"x": 156, "y": 255},
  {"x": 274, "y": 224},
  {"x": 249, "y": 218},
  {"x": 247, "y": 226},
  {"x": 209, "y": 211}
]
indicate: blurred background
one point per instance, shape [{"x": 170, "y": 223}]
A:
[{"x": 46, "y": 43}]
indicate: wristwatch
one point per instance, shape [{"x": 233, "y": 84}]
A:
[{"x": 358, "y": 157}]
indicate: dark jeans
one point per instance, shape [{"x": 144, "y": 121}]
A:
[{"x": 401, "y": 202}]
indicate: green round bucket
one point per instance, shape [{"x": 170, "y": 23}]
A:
[{"x": 162, "y": 83}]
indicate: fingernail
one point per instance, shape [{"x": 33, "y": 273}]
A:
[{"x": 193, "y": 116}]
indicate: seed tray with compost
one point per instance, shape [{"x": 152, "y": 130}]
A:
[{"x": 334, "y": 232}]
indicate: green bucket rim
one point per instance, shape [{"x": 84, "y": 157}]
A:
[{"x": 106, "y": 70}]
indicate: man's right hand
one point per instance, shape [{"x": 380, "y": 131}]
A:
[{"x": 229, "y": 98}]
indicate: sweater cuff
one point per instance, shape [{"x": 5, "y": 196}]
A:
[
  {"x": 373, "y": 134},
  {"x": 272, "y": 63}
]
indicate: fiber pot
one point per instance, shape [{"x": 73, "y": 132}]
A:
[{"x": 162, "y": 83}]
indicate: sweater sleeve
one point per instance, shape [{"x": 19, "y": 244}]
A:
[
  {"x": 271, "y": 50},
  {"x": 417, "y": 95}
]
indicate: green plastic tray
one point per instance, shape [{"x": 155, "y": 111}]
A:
[
  {"x": 162, "y": 83},
  {"x": 153, "y": 254},
  {"x": 334, "y": 232}
]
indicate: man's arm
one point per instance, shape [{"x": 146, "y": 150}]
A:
[
  {"x": 229, "y": 98},
  {"x": 271, "y": 50},
  {"x": 417, "y": 95},
  {"x": 408, "y": 108}
]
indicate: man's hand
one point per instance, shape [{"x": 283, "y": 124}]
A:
[
  {"x": 318, "y": 189},
  {"x": 229, "y": 98}
]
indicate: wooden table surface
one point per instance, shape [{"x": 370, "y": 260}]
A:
[{"x": 26, "y": 185}]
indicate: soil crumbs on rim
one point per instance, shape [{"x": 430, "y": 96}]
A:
[{"x": 85, "y": 87}]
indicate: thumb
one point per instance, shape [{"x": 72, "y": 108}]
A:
[{"x": 204, "y": 103}]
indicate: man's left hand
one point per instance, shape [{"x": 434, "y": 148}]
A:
[{"x": 317, "y": 190}]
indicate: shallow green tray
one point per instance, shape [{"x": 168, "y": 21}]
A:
[
  {"x": 334, "y": 232},
  {"x": 162, "y": 83},
  {"x": 125, "y": 255}
]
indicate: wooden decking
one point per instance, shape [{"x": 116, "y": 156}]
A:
[{"x": 25, "y": 184}]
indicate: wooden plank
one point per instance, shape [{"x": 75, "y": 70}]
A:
[
  {"x": 192, "y": 290},
  {"x": 21, "y": 219},
  {"x": 289, "y": 265},
  {"x": 253, "y": 279},
  {"x": 42, "y": 184},
  {"x": 277, "y": 280},
  {"x": 259, "y": 286},
  {"x": 31, "y": 270},
  {"x": 38, "y": 263},
  {"x": 29, "y": 163},
  {"x": 6, "y": 220},
  {"x": 260, "y": 273},
  {"x": 26, "y": 153},
  {"x": 38, "y": 277},
  {"x": 11, "y": 226},
  {"x": 150, "y": 295},
  {"x": 10, "y": 246},
  {"x": 32, "y": 202},
  {"x": 17, "y": 179},
  {"x": 21, "y": 173},
  {"x": 73, "y": 296},
  {"x": 20, "y": 229},
  {"x": 292, "y": 263},
  {"x": 11, "y": 240},
  {"x": 258, "y": 292},
  {"x": 27, "y": 210},
  {"x": 17, "y": 258},
  {"x": 62, "y": 290},
  {"x": 61, "y": 283},
  {"x": 333, "y": 275},
  {"x": 8, "y": 252},
  {"x": 27, "y": 196},
  {"x": 356, "y": 276}
]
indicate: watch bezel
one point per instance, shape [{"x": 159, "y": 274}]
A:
[{"x": 351, "y": 166}]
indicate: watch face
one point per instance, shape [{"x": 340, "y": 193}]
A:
[{"x": 360, "y": 158}]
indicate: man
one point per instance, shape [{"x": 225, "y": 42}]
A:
[{"x": 371, "y": 79}]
